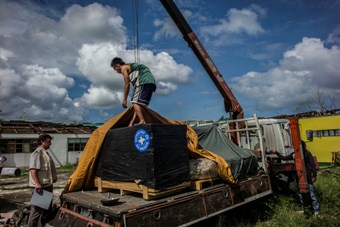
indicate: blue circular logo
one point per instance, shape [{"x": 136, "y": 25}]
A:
[{"x": 142, "y": 140}]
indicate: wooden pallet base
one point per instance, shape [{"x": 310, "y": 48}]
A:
[
  {"x": 200, "y": 184},
  {"x": 128, "y": 187}
]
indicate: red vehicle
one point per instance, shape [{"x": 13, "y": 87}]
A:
[{"x": 231, "y": 104}]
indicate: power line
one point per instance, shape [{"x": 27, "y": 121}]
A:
[{"x": 135, "y": 24}]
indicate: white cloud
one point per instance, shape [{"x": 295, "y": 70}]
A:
[
  {"x": 9, "y": 80},
  {"x": 166, "y": 69},
  {"x": 104, "y": 115},
  {"x": 37, "y": 39},
  {"x": 36, "y": 74},
  {"x": 100, "y": 97},
  {"x": 237, "y": 21},
  {"x": 165, "y": 88},
  {"x": 39, "y": 54},
  {"x": 5, "y": 54},
  {"x": 14, "y": 18},
  {"x": 321, "y": 63},
  {"x": 167, "y": 29},
  {"x": 93, "y": 23},
  {"x": 305, "y": 69},
  {"x": 37, "y": 93},
  {"x": 334, "y": 37},
  {"x": 94, "y": 63}
]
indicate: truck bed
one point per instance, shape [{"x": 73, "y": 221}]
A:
[{"x": 185, "y": 208}]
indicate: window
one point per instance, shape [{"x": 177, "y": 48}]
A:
[
  {"x": 10, "y": 146},
  {"x": 326, "y": 133},
  {"x": 76, "y": 144}
]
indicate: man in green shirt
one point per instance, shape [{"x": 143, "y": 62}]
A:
[{"x": 143, "y": 82}]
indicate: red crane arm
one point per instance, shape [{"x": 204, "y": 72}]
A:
[{"x": 231, "y": 104}]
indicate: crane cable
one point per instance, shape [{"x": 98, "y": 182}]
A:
[{"x": 135, "y": 30}]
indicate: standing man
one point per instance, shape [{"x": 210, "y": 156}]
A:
[
  {"x": 42, "y": 175},
  {"x": 311, "y": 176},
  {"x": 143, "y": 82}
]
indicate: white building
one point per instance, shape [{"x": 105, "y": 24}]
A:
[{"x": 19, "y": 138}]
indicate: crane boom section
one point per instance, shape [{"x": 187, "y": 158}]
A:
[{"x": 230, "y": 102}]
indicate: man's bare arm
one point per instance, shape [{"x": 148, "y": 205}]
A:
[
  {"x": 34, "y": 174},
  {"x": 125, "y": 73}
]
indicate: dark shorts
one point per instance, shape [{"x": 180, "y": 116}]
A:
[{"x": 142, "y": 94}]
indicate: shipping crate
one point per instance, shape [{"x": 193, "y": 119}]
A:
[{"x": 155, "y": 153}]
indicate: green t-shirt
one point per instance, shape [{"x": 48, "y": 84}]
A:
[{"x": 140, "y": 74}]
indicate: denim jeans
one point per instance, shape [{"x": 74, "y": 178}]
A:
[
  {"x": 315, "y": 202},
  {"x": 314, "y": 199}
]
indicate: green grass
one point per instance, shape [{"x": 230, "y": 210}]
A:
[
  {"x": 66, "y": 168},
  {"x": 281, "y": 210},
  {"x": 63, "y": 169}
]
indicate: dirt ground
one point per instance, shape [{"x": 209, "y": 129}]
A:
[{"x": 15, "y": 193}]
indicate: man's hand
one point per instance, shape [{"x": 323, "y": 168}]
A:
[
  {"x": 35, "y": 178},
  {"x": 124, "y": 104},
  {"x": 38, "y": 188}
]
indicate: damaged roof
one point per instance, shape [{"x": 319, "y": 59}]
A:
[{"x": 26, "y": 127}]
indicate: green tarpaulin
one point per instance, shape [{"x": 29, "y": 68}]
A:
[{"x": 242, "y": 161}]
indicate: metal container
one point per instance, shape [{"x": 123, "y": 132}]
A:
[{"x": 10, "y": 171}]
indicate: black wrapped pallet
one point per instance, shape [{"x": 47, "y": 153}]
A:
[{"x": 154, "y": 153}]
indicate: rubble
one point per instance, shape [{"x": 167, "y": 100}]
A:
[{"x": 15, "y": 196}]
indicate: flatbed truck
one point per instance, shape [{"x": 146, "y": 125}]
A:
[
  {"x": 83, "y": 208},
  {"x": 186, "y": 206},
  {"x": 189, "y": 206}
]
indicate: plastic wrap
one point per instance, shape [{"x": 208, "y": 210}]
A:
[
  {"x": 156, "y": 154},
  {"x": 203, "y": 168}
]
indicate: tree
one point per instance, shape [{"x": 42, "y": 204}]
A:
[{"x": 322, "y": 102}]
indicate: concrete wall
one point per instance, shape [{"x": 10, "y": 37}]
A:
[{"x": 58, "y": 150}]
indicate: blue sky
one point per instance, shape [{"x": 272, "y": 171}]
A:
[{"x": 278, "y": 57}]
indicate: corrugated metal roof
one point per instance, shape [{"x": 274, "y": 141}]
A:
[
  {"x": 311, "y": 114},
  {"x": 26, "y": 127}
]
